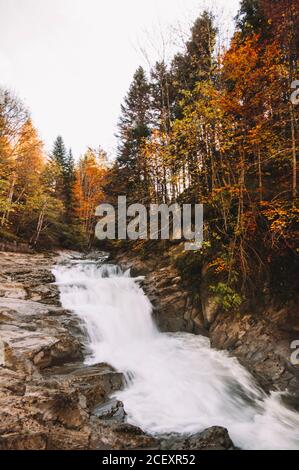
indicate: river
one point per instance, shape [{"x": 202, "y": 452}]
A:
[{"x": 175, "y": 383}]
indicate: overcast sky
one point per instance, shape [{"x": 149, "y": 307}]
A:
[{"x": 71, "y": 61}]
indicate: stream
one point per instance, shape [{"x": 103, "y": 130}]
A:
[{"x": 174, "y": 383}]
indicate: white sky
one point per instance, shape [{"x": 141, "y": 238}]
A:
[{"x": 72, "y": 61}]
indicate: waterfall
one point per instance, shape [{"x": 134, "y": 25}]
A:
[{"x": 174, "y": 382}]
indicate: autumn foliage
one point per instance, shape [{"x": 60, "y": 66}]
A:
[
  {"x": 45, "y": 200},
  {"x": 214, "y": 126},
  {"x": 220, "y": 128}
]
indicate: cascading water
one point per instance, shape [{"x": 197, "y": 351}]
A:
[{"x": 174, "y": 382}]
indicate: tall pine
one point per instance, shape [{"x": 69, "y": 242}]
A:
[
  {"x": 134, "y": 128},
  {"x": 64, "y": 161},
  {"x": 59, "y": 157},
  {"x": 69, "y": 181}
]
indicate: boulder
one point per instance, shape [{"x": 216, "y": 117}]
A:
[{"x": 213, "y": 438}]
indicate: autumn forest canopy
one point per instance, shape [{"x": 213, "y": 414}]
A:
[{"x": 213, "y": 126}]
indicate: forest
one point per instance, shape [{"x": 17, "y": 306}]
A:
[{"x": 215, "y": 126}]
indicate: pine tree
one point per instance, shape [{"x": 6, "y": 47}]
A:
[
  {"x": 251, "y": 18},
  {"x": 58, "y": 157},
  {"x": 197, "y": 63},
  {"x": 193, "y": 72},
  {"x": 134, "y": 127},
  {"x": 59, "y": 154},
  {"x": 66, "y": 175},
  {"x": 162, "y": 97},
  {"x": 69, "y": 181}
]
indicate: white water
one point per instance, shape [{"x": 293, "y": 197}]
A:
[{"x": 175, "y": 382}]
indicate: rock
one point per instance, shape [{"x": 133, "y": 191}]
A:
[
  {"x": 128, "y": 437},
  {"x": 48, "y": 294},
  {"x": 210, "y": 307},
  {"x": 94, "y": 382},
  {"x": 259, "y": 344},
  {"x": 24, "y": 441},
  {"x": 112, "y": 410},
  {"x": 214, "y": 438},
  {"x": 41, "y": 349},
  {"x": 66, "y": 439},
  {"x": 12, "y": 382},
  {"x": 12, "y": 290}
]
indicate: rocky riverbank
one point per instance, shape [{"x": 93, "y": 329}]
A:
[
  {"x": 50, "y": 399},
  {"x": 260, "y": 338}
]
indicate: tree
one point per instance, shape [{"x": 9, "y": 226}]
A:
[
  {"x": 13, "y": 116},
  {"x": 283, "y": 18},
  {"x": 69, "y": 181},
  {"x": 251, "y": 18},
  {"x": 59, "y": 154},
  {"x": 88, "y": 192},
  {"x": 196, "y": 64},
  {"x": 134, "y": 127},
  {"x": 222, "y": 131},
  {"x": 59, "y": 157},
  {"x": 65, "y": 178}
]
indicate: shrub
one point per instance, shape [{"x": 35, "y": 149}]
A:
[{"x": 226, "y": 297}]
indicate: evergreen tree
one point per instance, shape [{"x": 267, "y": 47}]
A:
[
  {"x": 251, "y": 18},
  {"x": 58, "y": 158},
  {"x": 66, "y": 175},
  {"x": 59, "y": 153},
  {"x": 197, "y": 63},
  {"x": 194, "y": 71},
  {"x": 134, "y": 127},
  {"x": 162, "y": 97},
  {"x": 69, "y": 181}
]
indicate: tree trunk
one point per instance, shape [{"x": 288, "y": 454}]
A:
[{"x": 294, "y": 156}]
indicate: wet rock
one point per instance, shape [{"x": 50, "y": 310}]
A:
[
  {"x": 111, "y": 410},
  {"x": 94, "y": 382},
  {"x": 126, "y": 436},
  {"x": 259, "y": 344},
  {"x": 48, "y": 294},
  {"x": 213, "y": 438}
]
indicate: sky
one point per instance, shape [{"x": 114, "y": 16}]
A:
[{"x": 72, "y": 61}]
